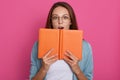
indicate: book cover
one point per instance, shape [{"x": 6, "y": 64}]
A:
[{"x": 61, "y": 40}]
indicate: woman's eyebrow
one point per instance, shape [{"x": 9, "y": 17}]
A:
[
  {"x": 57, "y": 14},
  {"x": 54, "y": 14}
]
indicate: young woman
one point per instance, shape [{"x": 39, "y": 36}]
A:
[{"x": 61, "y": 16}]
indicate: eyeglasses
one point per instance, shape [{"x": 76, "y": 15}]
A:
[{"x": 63, "y": 18}]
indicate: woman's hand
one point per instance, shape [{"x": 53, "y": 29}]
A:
[
  {"x": 72, "y": 61},
  {"x": 47, "y": 61}
]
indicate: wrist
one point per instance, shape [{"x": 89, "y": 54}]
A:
[
  {"x": 77, "y": 73},
  {"x": 43, "y": 70},
  {"x": 77, "y": 70}
]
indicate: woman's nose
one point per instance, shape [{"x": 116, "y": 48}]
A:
[{"x": 60, "y": 21}]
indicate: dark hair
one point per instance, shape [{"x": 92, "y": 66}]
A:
[{"x": 70, "y": 10}]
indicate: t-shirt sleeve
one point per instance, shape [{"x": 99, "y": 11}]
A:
[
  {"x": 88, "y": 71},
  {"x": 86, "y": 64},
  {"x": 34, "y": 69}
]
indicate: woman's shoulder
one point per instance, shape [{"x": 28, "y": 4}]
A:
[
  {"x": 36, "y": 42},
  {"x": 86, "y": 43},
  {"x": 35, "y": 47},
  {"x": 86, "y": 46}
]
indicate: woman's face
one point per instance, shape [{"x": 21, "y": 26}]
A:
[{"x": 61, "y": 18}]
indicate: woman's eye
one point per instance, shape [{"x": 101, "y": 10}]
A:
[
  {"x": 55, "y": 17},
  {"x": 65, "y": 17}
]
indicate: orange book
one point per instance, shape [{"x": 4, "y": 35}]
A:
[{"x": 60, "y": 40}]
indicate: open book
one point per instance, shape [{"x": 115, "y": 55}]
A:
[{"x": 60, "y": 40}]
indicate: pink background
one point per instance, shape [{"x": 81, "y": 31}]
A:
[{"x": 21, "y": 19}]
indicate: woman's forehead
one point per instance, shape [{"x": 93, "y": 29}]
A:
[{"x": 60, "y": 11}]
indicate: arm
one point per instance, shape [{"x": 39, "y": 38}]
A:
[
  {"x": 80, "y": 75},
  {"x": 46, "y": 62},
  {"x": 34, "y": 68},
  {"x": 84, "y": 68},
  {"x": 39, "y": 73},
  {"x": 73, "y": 62},
  {"x": 88, "y": 61}
]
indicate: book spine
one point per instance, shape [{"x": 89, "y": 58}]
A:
[
  {"x": 59, "y": 46},
  {"x": 60, "y": 43}
]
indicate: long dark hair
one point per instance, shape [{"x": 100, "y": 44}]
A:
[{"x": 70, "y": 10}]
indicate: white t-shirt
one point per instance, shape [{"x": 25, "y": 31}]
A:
[{"x": 59, "y": 70}]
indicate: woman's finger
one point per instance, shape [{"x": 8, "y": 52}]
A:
[
  {"x": 48, "y": 53},
  {"x": 52, "y": 60},
  {"x": 71, "y": 55},
  {"x": 69, "y": 61},
  {"x": 51, "y": 57}
]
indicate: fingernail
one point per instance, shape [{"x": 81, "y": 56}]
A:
[
  {"x": 52, "y": 49},
  {"x": 65, "y": 53},
  {"x": 67, "y": 50}
]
